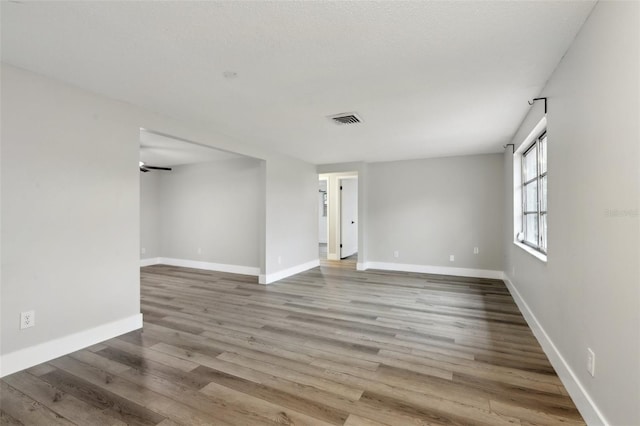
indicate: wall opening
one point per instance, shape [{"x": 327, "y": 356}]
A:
[{"x": 204, "y": 212}]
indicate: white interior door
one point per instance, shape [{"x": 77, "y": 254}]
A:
[{"x": 348, "y": 217}]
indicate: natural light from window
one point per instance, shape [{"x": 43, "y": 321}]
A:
[{"x": 530, "y": 192}]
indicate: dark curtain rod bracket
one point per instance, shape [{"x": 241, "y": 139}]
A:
[
  {"x": 513, "y": 147},
  {"x": 539, "y": 99}
]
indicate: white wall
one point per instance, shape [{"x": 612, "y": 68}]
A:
[
  {"x": 70, "y": 220},
  {"x": 213, "y": 207},
  {"x": 291, "y": 219},
  {"x": 150, "y": 215},
  {"x": 69, "y": 216},
  {"x": 588, "y": 293},
  {"x": 430, "y": 209}
]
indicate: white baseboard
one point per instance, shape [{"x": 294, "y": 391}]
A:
[
  {"x": 587, "y": 407},
  {"x": 150, "y": 261},
  {"x": 362, "y": 266},
  {"x": 428, "y": 269},
  {"x": 276, "y": 276},
  {"x": 43, "y": 352},
  {"x": 208, "y": 266}
]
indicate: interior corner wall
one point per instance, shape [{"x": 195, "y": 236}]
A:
[
  {"x": 587, "y": 295},
  {"x": 150, "y": 216},
  {"x": 210, "y": 212},
  {"x": 70, "y": 218},
  {"x": 429, "y": 209}
]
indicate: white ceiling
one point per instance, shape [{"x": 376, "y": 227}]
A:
[
  {"x": 165, "y": 151},
  {"x": 428, "y": 78}
]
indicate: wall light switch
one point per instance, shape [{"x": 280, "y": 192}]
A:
[
  {"x": 396, "y": 254},
  {"x": 476, "y": 250},
  {"x": 452, "y": 258}
]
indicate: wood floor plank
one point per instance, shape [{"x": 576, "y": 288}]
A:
[
  {"x": 279, "y": 392},
  {"x": 354, "y": 420},
  {"x": 522, "y": 378},
  {"x": 532, "y": 416},
  {"x": 295, "y": 398},
  {"x": 445, "y": 413},
  {"x": 64, "y": 404},
  {"x": 40, "y": 369},
  {"x": 152, "y": 355},
  {"x": 141, "y": 404},
  {"x": 20, "y": 407},
  {"x": 120, "y": 408},
  {"x": 177, "y": 376},
  {"x": 105, "y": 364},
  {"x": 273, "y": 412},
  {"x": 330, "y": 346},
  {"x": 7, "y": 420},
  {"x": 293, "y": 375}
]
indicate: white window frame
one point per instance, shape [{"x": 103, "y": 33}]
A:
[
  {"x": 531, "y": 141},
  {"x": 539, "y": 175}
]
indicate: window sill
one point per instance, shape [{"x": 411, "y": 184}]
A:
[{"x": 535, "y": 253}]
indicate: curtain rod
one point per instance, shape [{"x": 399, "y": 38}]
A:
[{"x": 539, "y": 99}]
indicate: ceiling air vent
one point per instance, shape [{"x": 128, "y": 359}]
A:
[{"x": 346, "y": 118}]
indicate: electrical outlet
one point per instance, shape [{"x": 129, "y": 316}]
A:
[
  {"x": 199, "y": 250},
  {"x": 452, "y": 258},
  {"x": 279, "y": 260},
  {"x": 591, "y": 362},
  {"x": 476, "y": 250},
  {"x": 143, "y": 250},
  {"x": 396, "y": 254},
  {"x": 27, "y": 319}
]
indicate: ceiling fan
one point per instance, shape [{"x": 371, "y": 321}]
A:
[{"x": 145, "y": 168}]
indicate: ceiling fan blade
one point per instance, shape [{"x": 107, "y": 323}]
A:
[{"x": 157, "y": 167}]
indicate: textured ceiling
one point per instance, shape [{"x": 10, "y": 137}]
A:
[
  {"x": 164, "y": 151},
  {"x": 428, "y": 78}
]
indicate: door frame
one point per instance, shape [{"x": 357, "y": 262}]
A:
[{"x": 333, "y": 207}]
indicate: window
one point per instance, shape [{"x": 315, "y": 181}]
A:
[{"x": 534, "y": 194}]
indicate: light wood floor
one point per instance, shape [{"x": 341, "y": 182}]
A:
[{"x": 329, "y": 346}]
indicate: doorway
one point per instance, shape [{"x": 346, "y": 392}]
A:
[
  {"x": 341, "y": 218},
  {"x": 323, "y": 218}
]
